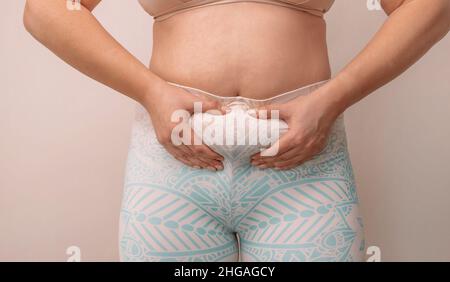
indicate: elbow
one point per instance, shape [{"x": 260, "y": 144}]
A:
[
  {"x": 438, "y": 12},
  {"x": 442, "y": 19},
  {"x": 40, "y": 15},
  {"x": 27, "y": 17},
  {"x": 447, "y": 16},
  {"x": 32, "y": 16},
  {"x": 389, "y": 6}
]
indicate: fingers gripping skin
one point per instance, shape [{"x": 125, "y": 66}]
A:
[
  {"x": 309, "y": 127},
  {"x": 189, "y": 151}
]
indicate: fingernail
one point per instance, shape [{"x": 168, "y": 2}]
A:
[
  {"x": 219, "y": 167},
  {"x": 252, "y": 113},
  {"x": 262, "y": 166},
  {"x": 197, "y": 167},
  {"x": 226, "y": 109},
  {"x": 211, "y": 168}
]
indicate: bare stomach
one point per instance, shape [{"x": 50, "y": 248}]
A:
[{"x": 243, "y": 49}]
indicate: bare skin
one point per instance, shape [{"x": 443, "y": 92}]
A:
[{"x": 247, "y": 49}]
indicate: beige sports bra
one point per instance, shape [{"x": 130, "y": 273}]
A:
[{"x": 163, "y": 9}]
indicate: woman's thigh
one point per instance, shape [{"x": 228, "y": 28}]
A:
[
  {"x": 158, "y": 224},
  {"x": 171, "y": 212},
  {"x": 310, "y": 220},
  {"x": 309, "y": 213}
]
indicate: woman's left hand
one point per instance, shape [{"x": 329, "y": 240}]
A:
[{"x": 310, "y": 119}]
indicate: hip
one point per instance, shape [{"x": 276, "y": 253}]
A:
[{"x": 238, "y": 135}]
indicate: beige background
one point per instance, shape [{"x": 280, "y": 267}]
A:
[{"x": 64, "y": 138}]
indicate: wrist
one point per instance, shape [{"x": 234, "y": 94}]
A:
[
  {"x": 154, "y": 86},
  {"x": 335, "y": 96},
  {"x": 327, "y": 104}
]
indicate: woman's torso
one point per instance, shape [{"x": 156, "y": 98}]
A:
[{"x": 244, "y": 49}]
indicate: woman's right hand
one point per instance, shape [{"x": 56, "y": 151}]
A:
[{"x": 161, "y": 103}]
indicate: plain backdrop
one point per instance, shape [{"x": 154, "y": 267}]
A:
[{"x": 64, "y": 140}]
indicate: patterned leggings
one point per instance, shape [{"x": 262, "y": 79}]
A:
[{"x": 171, "y": 212}]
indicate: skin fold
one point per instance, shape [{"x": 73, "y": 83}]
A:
[{"x": 257, "y": 51}]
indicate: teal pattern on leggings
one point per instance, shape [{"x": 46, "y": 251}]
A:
[{"x": 171, "y": 212}]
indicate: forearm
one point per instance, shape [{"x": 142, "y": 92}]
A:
[
  {"x": 409, "y": 32},
  {"x": 80, "y": 40}
]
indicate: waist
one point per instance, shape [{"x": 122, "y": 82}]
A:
[{"x": 255, "y": 51}]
